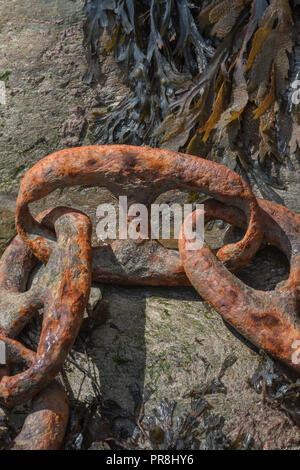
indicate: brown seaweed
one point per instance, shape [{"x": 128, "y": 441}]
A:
[
  {"x": 159, "y": 47},
  {"x": 280, "y": 388},
  {"x": 212, "y": 79}
]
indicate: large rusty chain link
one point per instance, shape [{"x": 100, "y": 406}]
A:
[{"x": 61, "y": 238}]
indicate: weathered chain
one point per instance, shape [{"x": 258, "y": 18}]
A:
[{"x": 61, "y": 239}]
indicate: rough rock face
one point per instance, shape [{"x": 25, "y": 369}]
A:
[
  {"x": 157, "y": 336},
  {"x": 7, "y": 228},
  {"x": 47, "y": 102}
]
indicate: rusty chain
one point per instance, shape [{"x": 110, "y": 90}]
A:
[{"x": 60, "y": 238}]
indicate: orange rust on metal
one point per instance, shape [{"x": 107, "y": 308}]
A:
[
  {"x": 63, "y": 293},
  {"x": 270, "y": 320},
  {"x": 141, "y": 173},
  {"x": 44, "y": 428}
]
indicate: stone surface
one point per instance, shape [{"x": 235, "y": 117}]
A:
[
  {"x": 48, "y": 104},
  {"x": 160, "y": 337},
  {"x": 7, "y": 228}
]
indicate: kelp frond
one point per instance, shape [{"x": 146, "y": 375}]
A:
[
  {"x": 161, "y": 49},
  {"x": 210, "y": 77}
]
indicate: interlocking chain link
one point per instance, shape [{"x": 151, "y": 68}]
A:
[{"x": 61, "y": 238}]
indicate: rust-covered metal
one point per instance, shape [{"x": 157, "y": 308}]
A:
[
  {"x": 62, "y": 293},
  {"x": 270, "y": 319},
  {"x": 60, "y": 238},
  {"x": 44, "y": 428},
  {"x": 142, "y": 174}
]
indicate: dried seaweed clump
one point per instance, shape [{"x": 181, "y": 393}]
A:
[
  {"x": 104, "y": 424},
  {"x": 240, "y": 108},
  {"x": 212, "y": 78},
  {"x": 160, "y": 47},
  {"x": 280, "y": 389},
  {"x": 198, "y": 428}
]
